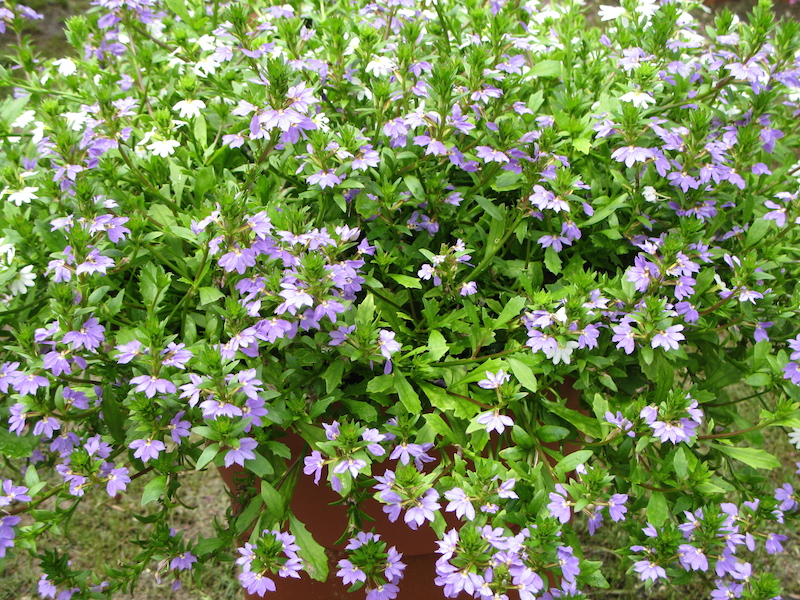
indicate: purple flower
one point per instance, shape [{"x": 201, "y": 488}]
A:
[
  {"x": 89, "y": 336},
  {"x": 243, "y": 452},
  {"x": 28, "y": 383},
  {"x": 631, "y": 155},
  {"x": 423, "y": 509},
  {"x": 617, "y": 508},
  {"x": 669, "y": 338},
  {"x": 312, "y": 464},
  {"x": 12, "y": 493},
  {"x": 494, "y": 421},
  {"x": 256, "y": 583},
  {"x": 183, "y": 562},
  {"x": 150, "y": 385},
  {"x": 129, "y": 351},
  {"x": 785, "y": 495},
  {"x": 354, "y": 465},
  {"x": 325, "y": 178},
  {"x": 570, "y": 565},
  {"x": 559, "y": 506},
  {"x": 175, "y": 355},
  {"x": 492, "y": 381},
  {"x": 647, "y": 569},
  {"x": 691, "y": 558},
  {"x": 238, "y": 260},
  {"x": 95, "y": 263},
  {"x": 460, "y": 503},
  {"x": 147, "y": 449},
  {"x": 46, "y": 426},
  {"x": 349, "y": 572},
  {"x": 774, "y": 543},
  {"x": 117, "y": 481}
]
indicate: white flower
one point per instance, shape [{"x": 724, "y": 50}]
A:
[
  {"x": 638, "y": 99},
  {"x": 189, "y": 108},
  {"x": 561, "y": 353},
  {"x": 207, "y": 43},
  {"x": 794, "y": 437},
  {"x": 206, "y": 66},
  {"x": 76, "y": 120},
  {"x": 610, "y": 13},
  {"x": 37, "y": 135},
  {"x": 23, "y": 196},
  {"x": 7, "y": 252},
  {"x": 65, "y": 66},
  {"x": 649, "y": 193},
  {"x": 381, "y": 66},
  {"x": 25, "y": 119},
  {"x": 23, "y": 280},
  {"x": 163, "y": 148}
]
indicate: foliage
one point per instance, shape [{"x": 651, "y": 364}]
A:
[{"x": 402, "y": 231}]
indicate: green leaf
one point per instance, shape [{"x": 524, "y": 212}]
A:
[
  {"x": 680, "y": 463},
  {"x": 113, "y": 417},
  {"x": 524, "y": 374},
  {"x": 408, "y": 396},
  {"x": 179, "y": 8},
  {"x": 333, "y": 376},
  {"x": 437, "y": 396},
  {"x": 365, "y": 312},
  {"x": 581, "y": 422},
  {"x": 209, "y": 294},
  {"x": 273, "y": 500},
  {"x": 657, "y": 509},
  {"x": 415, "y": 187},
  {"x": 259, "y": 466},
  {"x": 154, "y": 489},
  {"x": 310, "y": 551},
  {"x": 13, "y": 446},
  {"x": 582, "y": 145},
  {"x": 754, "y": 457},
  {"x": 407, "y": 281},
  {"x": 204, "y": 182},
  {"x": 490, "y": 208},
  {"x": 437, "y": 345},
  {"x": 438, "y": 424},
  {"x": 200, "y": 134},
  {"x": 177, "y": 180},
  {"x": 207, "y": 456},
  {"x": 571, "y": 461},
  {"x": 552, "y": 261},
  {"x": 552, "y": 433},
  {"x": 510, "y": 311},
  {"x": 546, "y": 68},
  {"x": 379, "y": 384}
]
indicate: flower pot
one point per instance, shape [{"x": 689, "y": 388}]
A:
[{"x": 312, "y": 504}]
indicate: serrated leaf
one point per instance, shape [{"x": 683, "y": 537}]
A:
[
  {"x": 546, "y": 68},
  {"x": 571, "y": 461},
  {"x": 379, "y": 384},
  {"x": 154, "y": 488},
  {"x": 582, "y": 145},
  {"x": 207, "y": 456},
  {"x": 438, "y": 424},
  {"x": 415, "y": 187},
  {"x": 333, "y": 376},
  {"x": 552, "y": 433},
  {"x": 754, "y": 457},
  {"x": 13, "y": 446},
  {"x": 490, "y": 208},
  {"x": 437, "y": 345},
  {"x": 316, "y": 560},
  {"x": 408, "y": 396},
  {"x": 552, "y": 261},
  {"x": 511, "y": 310},
  {"x": 179, "y": 8},
  {"x": 209, "y": 294},
  {"x": 259, "y": 466},
  {"x": 657, "y": 509},
  {"x": 273, "y": 500},
  {"x": 581, "y": 422},
  {"x": 407, "y": 281},
  {"x": 524, "y": 374}
]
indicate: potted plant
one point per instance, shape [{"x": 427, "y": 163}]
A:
[{"x": 373, "y": 249}]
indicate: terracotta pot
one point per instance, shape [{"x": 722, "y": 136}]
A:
[{"x": 311, "y": 504}]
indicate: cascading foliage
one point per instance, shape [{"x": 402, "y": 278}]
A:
[{"x": 401, "y": 230}]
